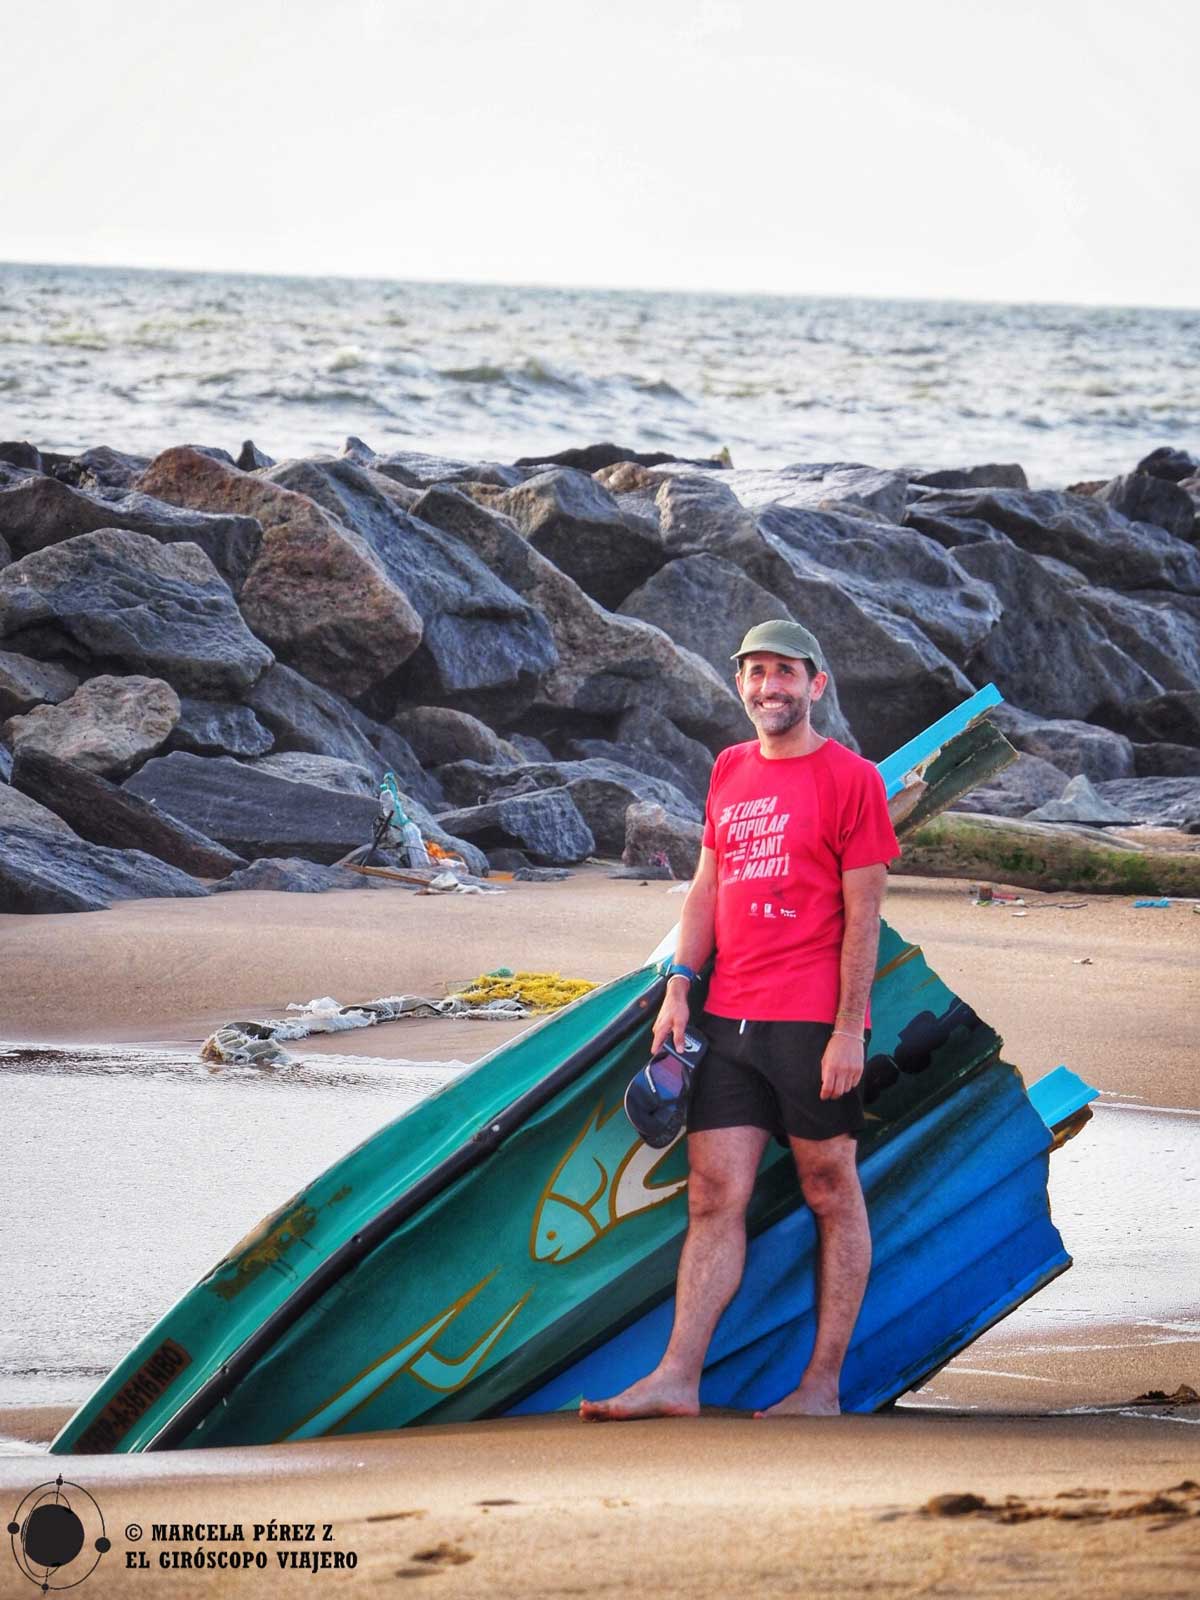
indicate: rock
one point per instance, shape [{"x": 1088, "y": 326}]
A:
[
  {"x": 477, "y": 634},
  {"x": 701, "y": 515},
  {"x": 439, "y": 734},
  {"x": 1048, "y": 652},
  {"x": 417, "y": 471},
  {"x": 108, "y": 726},
  {"x": 540, "y": 874},
  {"x": 825, "y": 487},
  {"x": 529, "y": 748},
  {"x": 1097, "y": 541},
  {"x": 325, "y": 772},
  {"x": 1143, "y": 498},
  {"x": 993, "y": 475},
  {"x": 644, "y": 729},
  {"x": 544, "y": 823},
  {"x": 1073, "y": 747},
  {"x": 49, "y": 871},
  {"x": 5, "y": 554},
  {"x": 43, "y": 512},
  {"x": 101, "y": 468},
  {"x": 109, "y": 815},
  {"x": 123, "y": 599},
  {"x": 258, "y": 813},
  {"x": 607, "y": 664},
  {"x": 1172, "y": 718},
  {"x": 1168, "y": 464},
  {"x": 25, "y": 683},
  {"x": 1160, "y": 802},
  {"x": 597, "y": 457},
  {"x": 20, "y": 453},
  {"x": 304, "y": 717},
  {"x": 575, "y": 523},
  {"x": 640, "y": 760},
  {"x": 653, "y": 837},
  {"x": 506, "y": 858},
  {"x": 290, "y": 875},
  {"x": 317, "y": 593},
  {"x": 602, "y": 790},
  {"x": 1161, "y": 632},
  {"x": 1079, "y": 802},
  {"x": 1029, "y": 782},
  {"x": 5, "y": 764},
  {"x": 212, "y": 728},
  {"x": 1165, "y": 761},
  {"x": 19, "y": 810},
  {"x": 252, "y": 459},
  {"x": 707, "y": 605}
]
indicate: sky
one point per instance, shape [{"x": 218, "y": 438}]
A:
[{"x": 933, "y": 149}]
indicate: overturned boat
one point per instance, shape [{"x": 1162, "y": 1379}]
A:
[{"x": 510, "y": 1243}]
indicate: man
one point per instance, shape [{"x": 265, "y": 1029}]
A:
[{"x": 788, "y": 889}]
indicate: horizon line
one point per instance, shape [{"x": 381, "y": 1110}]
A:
[{"x": 594, "y": 288}]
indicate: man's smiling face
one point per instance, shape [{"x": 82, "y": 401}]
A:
[{"x": 777, "y": 691}]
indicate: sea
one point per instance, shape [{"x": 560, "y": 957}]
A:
[{"x": 141, "y": 360}]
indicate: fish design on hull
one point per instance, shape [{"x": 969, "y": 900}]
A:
[{"x": 605, "y": 1177}]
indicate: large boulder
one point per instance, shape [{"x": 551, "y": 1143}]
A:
[
  {"x": 1160, "y": 802},
  {"x": 215, "y": 728},
  {"x": 42, "y": 512},
  {"x": 575, "y": 523},
  {"x": 5, "y": 763},
  {"x": 415, "y": 470},
  {"x": 108, "y": 726},
  {"x": 109, "y": 815},
  {"x": 317, "y": 593},
  {"x": 25, "y": 683},
  {"x": 545, "y": 823},
  {"x": 101, "y": 467},
  {"x": 1169, "y": 718},
  {"x": 1074, "y": 747},
  {"x": 836, "y": 486},
  {"x": 1161, "y": 632},
  {"x": 654, "y": 838},
  {"x": 124, "y": 600},
  {"x": 439, "y": 734},
  {"x": 1149, "y": 761},
  {"x": 645, "y": 730},
  {"x": 20, "y": 810},
  {"x": 1027, "y": 783},
  {"x": 989, "y": 475},
  {"x": 51, "y": 869},
  {"x": 1143, "y": 498},
  {"x": 260, "y": 813},
  {"x": 602, "y": 790},
  {"x": 1100, "y": 543},
  {"x": 477, "y": 634},
  {"x": 607, "y": 664},
  {"x": 1048, "y": 652},
  {"x": 707, "y": 605},
  {"x": 325, "y": 772},
  {"x": 700, "y": 514},
  {"x": 302, "y": 716},
  {"x": 292, "y": 876}
]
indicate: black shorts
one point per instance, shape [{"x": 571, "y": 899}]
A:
[{"x": 768, "y": 1075}]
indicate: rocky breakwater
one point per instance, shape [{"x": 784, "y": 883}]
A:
[{"x": 208, "y": 663}]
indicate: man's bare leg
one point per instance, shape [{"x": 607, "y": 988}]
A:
[
  {"x": 722, "y": 1165},
  {"x": 829, "y": 1178}
]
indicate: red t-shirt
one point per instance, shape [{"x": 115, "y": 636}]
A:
[{"x": 784, "y": 832}]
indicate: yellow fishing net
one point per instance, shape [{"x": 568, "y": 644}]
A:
[{"x": 540, "y": 991}]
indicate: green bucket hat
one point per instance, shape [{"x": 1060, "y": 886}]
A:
[{"x": 782, "y": 639}]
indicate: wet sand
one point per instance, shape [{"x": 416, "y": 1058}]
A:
[{"x": 717, "y": 1505}]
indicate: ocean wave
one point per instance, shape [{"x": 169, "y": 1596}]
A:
[
  {"x": 485, "y": 372},
  {"x": 346, "y": 359},
  {"x": 660, "y": 389}
]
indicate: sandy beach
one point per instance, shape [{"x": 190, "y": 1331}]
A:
[{"x": 1081, "y": 1489}]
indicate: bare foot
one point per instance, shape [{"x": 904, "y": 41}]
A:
[
  {"x": 806, "y": 1401},
  {"x": 653, "y": 1396}
]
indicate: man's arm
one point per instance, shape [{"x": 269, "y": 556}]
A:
[
  {"x": 842, "y": 1064},
  {"x": 693, "y": 947}
]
